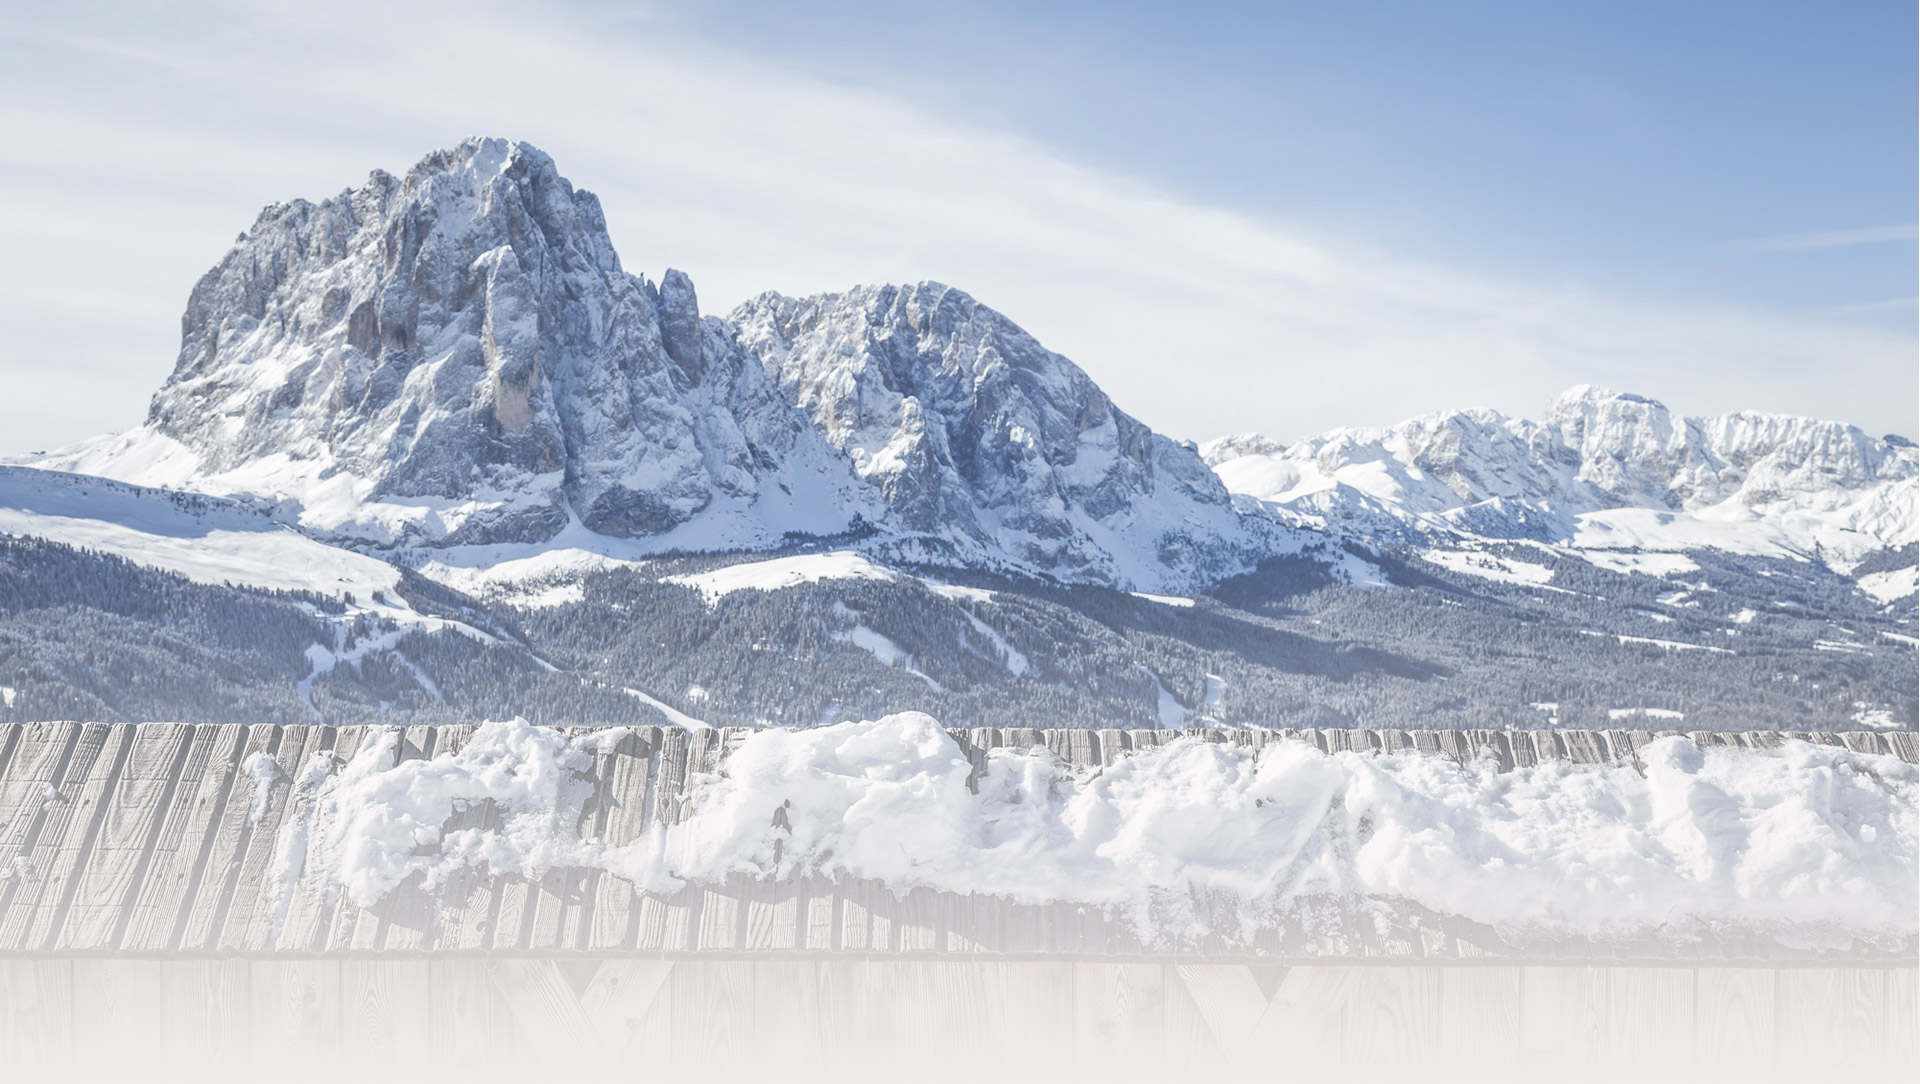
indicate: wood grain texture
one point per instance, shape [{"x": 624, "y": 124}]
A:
[
  {"x": 45, "y": 862},
  {"x": 123, "y": 839},
  {"x": 158, "y": 911},
  {"x": 1734, "y": 1019},
  {"x": 36, "y": 1014},
  {"x": 1119, "y": 1013},
  {"x": 294, "y": 1010},
  {"x": 1650, "y": 1017},
  {"x": 124, "y": 999},
  {"x": 223, "y": 850},
  {"x": 1117, "y": 1020},
  {"x": 208, "y": 1010},
  {"x": 384, "y": 1010},
  {"x": 1563, "y": 1012},
  {"x": 1479, "y": 1017},
  {"x": 1842, "y": 1011}
]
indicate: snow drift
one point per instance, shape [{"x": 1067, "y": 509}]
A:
[{"x": 1808, "y": 844}]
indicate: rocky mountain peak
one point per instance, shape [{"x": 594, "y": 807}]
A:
[
  {"x": 455, "y": 357},
  {"x": 968, "y": 426},
  {"x": 1774, "y": 483}
]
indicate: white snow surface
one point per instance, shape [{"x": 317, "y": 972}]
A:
[
  {"x": 1891, "y": 585},
  {"x": 1615, "y": 478},
  {"x": 1486, "y": 566},
  {"x": 782, "y": 572},
  {"x": 1811, "y": 843},
  {"x": 207, "y": 540}
]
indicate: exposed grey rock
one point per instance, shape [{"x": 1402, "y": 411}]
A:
[
  {"x": 456, "y": 358},
  {"x": 975, "y": 433}
]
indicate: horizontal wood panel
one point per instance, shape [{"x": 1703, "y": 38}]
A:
[{"x": 483, "y": 1016}]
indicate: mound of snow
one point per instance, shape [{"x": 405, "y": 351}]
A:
[{"x": 1809, "y": 841}]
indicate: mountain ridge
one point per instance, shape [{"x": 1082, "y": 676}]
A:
[
  {"x": 456, "y": 358},
  {"x": 1603, "y": 471}
]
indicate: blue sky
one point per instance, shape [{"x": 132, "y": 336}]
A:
[
  {"x": 1649, "y": 148},
  {"x": 1284, "y": 217}
]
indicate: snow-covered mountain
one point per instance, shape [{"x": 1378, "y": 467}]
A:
[
  {"x": 456, "y": 359},
  {"x": 974, "y": 433},
  {"x": 1603, "y": 473}
]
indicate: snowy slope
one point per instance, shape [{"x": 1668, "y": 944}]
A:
[
  {"x": 1608, "y": 474},
  {"x": 215, "y": 541},
  {"x": 206, "y": 539}
]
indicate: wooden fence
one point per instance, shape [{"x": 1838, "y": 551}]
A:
[{"x": 151, "y": 840}]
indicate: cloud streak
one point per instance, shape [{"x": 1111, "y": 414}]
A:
[
  {"x": 1868, "y": 235},
  {"x": 146, "y": 147}
]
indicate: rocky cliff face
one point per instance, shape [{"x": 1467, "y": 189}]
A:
[
  {"x": 975, "y": 434},
  {"x": 1601, "y": 468},
  {"x": 457, "y": 358}
]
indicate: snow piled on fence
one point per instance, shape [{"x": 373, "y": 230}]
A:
[{"x": 1812, "y": 842}]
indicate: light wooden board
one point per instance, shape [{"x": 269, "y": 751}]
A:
[
  {"x": 179, "y": 852},
  {"x": 137, "y": 1018},
  {"x": 126, "y": 838},
  {"x": 64, "y": 831}
]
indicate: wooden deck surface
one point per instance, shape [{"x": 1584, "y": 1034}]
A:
[
  {"x": 471, "y": 1019},
  {"x": 151, "y": 840}
]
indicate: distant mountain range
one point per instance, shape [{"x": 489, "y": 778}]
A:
[
  {"x": 1617, "y": 479},
  {"x": 433, "y": 421}
]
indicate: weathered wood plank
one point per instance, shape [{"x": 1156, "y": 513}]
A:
[
  {"x": 773, "y": 916},
  {"x": 208, "y": 1010},
  {"x": 29, "y": 783},
  {"x": 36, "y": 1014},
  {"x": 1734, "y": 1020},
  {"x": 1902, "y": 1041},
  {"x": 384, "y": 1011},
  {"x": 180, "y": 850},
  {"x": 64, "y": 831},
  {"x": 253, "y": 887},
  {"x": 123, "y": 999},
  {"x": 294, "y": 1015},
  {"x": 546, "y": 1008},
  {"x": 1563, "y": 1013},
  {"x": 106, "y": 884},
  {"x": 624, "y": 797},
  {"x": 1840, "y": 1012},
  {"x": 1366, "y": 1020},
  {"x": 1480, "y": 1018},
  {"x": 787, "y": 1011},
  {"x": 204, "y": 910},
  {"x": 1119, "y": 1013},
  {"x": 473, "y": 1029},
  {"x": 619, "y": 1006},
  {"x": 712, "y": 1018},
  {"x": 1229, "y": 1001},
  {"x": 1650, "y": 1017}
]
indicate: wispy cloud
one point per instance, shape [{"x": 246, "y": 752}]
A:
[
  {"x": 152, "y": 143},
  {"x": 1867, "y": 235}
]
